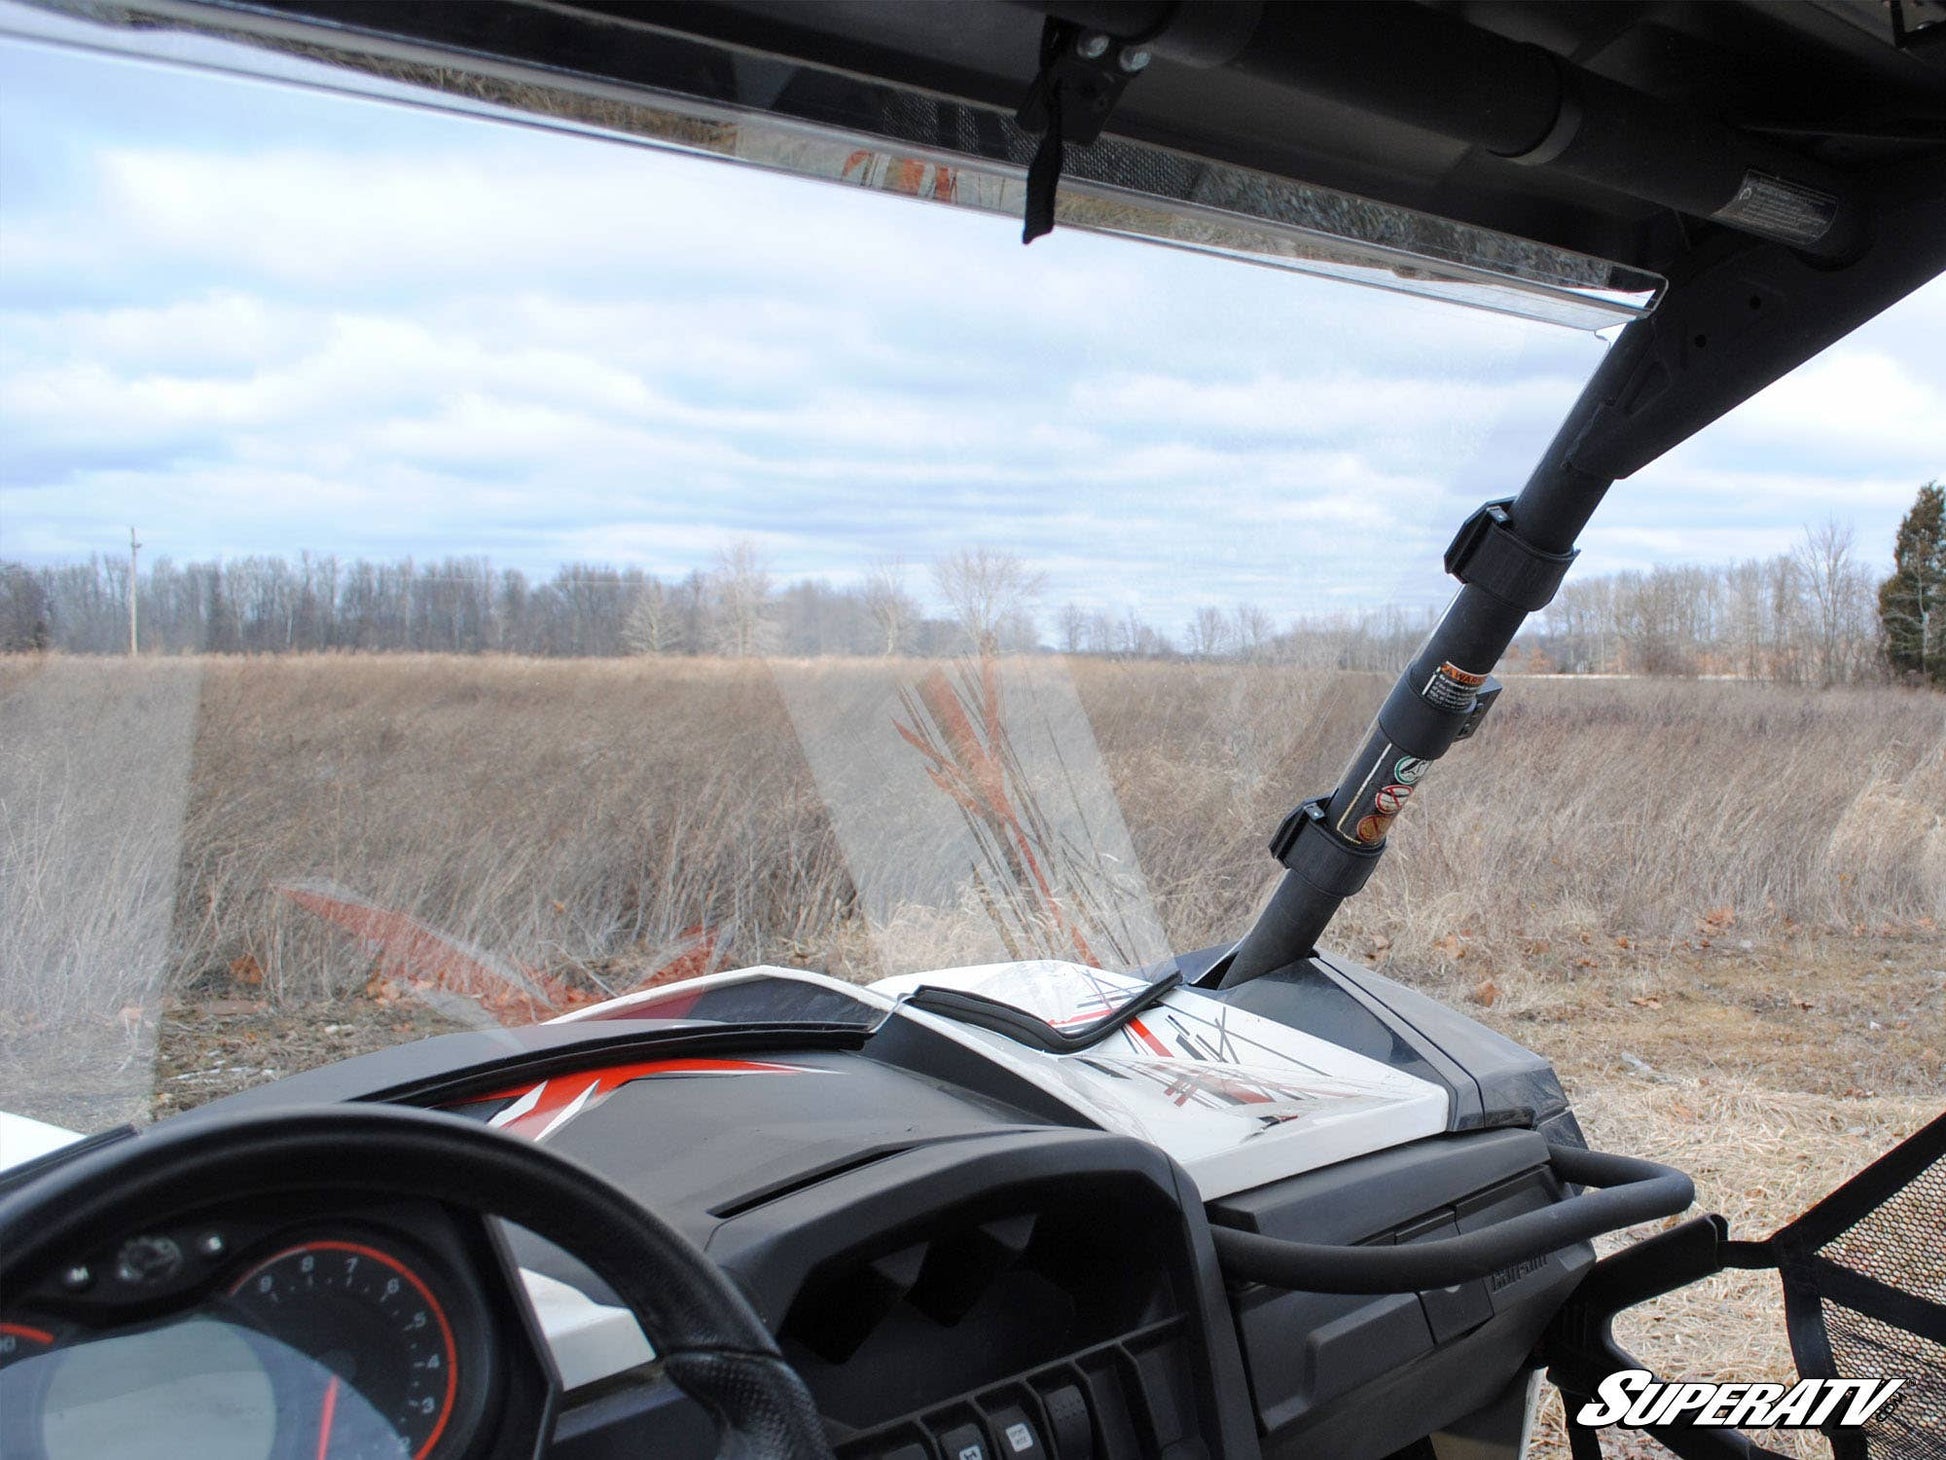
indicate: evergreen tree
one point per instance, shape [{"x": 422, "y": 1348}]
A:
[{"x": 1912, "y": 602}]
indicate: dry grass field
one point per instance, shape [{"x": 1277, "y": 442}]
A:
[
  {"x": 1717, "y": 907},
  {"x": 579, "y": 815}
]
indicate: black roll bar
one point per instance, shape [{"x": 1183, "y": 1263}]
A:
[{"x": 1737, "y": 316}]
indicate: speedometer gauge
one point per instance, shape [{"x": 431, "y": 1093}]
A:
[{"x": 378, "y": 1332}]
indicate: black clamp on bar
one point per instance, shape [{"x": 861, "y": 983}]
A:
[
  {"x": 1488, "y": 554},
  {"x": 1082, "y": 75},
  {"x": 1305, "y": 845}
]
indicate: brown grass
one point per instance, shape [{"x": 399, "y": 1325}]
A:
[
  {"x": 568, "y": 816},
  {"x": 577, "y": 814}
]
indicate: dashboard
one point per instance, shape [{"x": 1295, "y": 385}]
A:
[
  {"x": 948, "y": 1273},
  {"x": 945, "y": 1261},
  {"x": 1026, "y": 1313}
]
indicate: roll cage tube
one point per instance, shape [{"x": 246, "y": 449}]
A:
[{"x": 1738, "y": 316}]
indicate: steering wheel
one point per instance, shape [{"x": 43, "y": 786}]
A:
[{"x": 709, "y": 1341}]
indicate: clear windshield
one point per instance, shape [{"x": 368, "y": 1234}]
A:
[
  {"x": 456, "y": 574},
  {"x": 565, "y": 568}
]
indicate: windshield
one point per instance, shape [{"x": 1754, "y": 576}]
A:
[{"x": 456, "y": 574}]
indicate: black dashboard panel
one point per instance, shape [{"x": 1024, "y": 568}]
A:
[{"x": 993, "y": 1290}]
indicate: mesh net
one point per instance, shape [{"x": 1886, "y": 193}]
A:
[
  {"x": 1913, "y": 1425},
  {"x": 1865, "y": 1289},
  {"x": 1902, "y": 1243}
]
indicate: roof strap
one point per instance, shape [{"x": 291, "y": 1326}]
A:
[
  {"x": 1488, "y": 554},
  {"x": 1083, "y": 74}
]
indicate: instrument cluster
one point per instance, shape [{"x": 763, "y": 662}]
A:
[{"x": 362, "y": 1336}]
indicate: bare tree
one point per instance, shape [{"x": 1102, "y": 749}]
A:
[
  {"x": 651, "y": 624},
  {"x": 892, "y": 609},
  {"x": 1208, "y": 633},
  {"x": 739, "y": 592},
  {"x": 1254, "y": 631},
  {"x": 1072, "y": 624},
  {"x": 1835, "y": 588},
  {"x": 1101, "y": 632},
  {"x": 985, "y": 588}
]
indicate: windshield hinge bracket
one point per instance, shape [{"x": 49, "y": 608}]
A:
[{"x": 1083, "y": 74}]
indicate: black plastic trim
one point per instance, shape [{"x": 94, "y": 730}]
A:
[{"x": 1000, "y": 1017}]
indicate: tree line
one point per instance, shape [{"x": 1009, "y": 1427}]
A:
[
  {"x": 317, "y": 602},
  {"x": 1814, "y": 615}
]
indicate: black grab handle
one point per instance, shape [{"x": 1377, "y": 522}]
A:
[{"x": 1634, "y": 1191}]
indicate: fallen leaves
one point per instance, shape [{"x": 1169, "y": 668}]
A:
[
  {"x": 1486, "y": 993},
  {"x": 1646, "y": 1001}
]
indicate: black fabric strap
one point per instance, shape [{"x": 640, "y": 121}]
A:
[
  {"x": 1044, "y": 173},
  {"x": 1082, "y": 75},
  {"x": 1305, "y": 845},
  {"x": 1489, "y": 555}
]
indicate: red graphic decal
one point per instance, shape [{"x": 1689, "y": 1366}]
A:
[
  {"x": 537, "y": 1109},
  {"x": 1141, "y": 1032}
]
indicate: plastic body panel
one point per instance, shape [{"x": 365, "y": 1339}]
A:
[
  {"x": 1357, "y": 1376},
  {"x": 867, "y": 1190},
  {"x": 1491, "y": 1080}
]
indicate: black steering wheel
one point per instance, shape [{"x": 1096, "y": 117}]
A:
[{"x": 707, "y": 1338}]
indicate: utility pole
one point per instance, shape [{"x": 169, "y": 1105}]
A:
[{"x": 133, "y": 548}]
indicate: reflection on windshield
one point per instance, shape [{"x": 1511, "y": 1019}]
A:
[{"x": 972, "y": 810}]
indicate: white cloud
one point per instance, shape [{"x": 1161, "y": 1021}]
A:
[{"x": 453, "y": 338}]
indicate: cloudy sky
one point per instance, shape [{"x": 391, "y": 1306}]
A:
[{"x": 254, "y": 319}]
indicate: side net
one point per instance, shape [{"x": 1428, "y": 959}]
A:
[{"x": 1864, "y": 1275}]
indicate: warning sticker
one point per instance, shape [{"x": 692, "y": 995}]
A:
[
  {"x": 1409, "y": 769},
  {"x": 1390, "y": 800},
  {"x": 1452, "y": 689}
]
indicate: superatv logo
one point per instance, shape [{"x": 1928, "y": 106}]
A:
[{"x": 1637, "y": 1399}]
